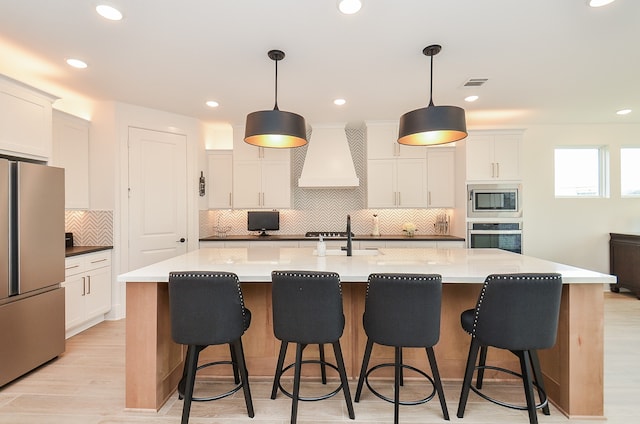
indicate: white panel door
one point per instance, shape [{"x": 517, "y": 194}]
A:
[{"x": 157, "y": 196}]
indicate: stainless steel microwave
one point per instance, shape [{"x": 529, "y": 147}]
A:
[{"x": 494, "y": 201}]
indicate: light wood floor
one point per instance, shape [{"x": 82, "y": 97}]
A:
[{"x": 86, "y": 386}]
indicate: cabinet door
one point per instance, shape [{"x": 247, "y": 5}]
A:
[
  {"x": 74, "y": 294},
  {"x": 381, "y": 183},
  {"x": 247, "y": 190},
  {"x": 276, "y": 184},
  {"x": 98, "y": 292},
  {"x": 507, "y": 157},
  {"x": 382, "y": 141},
  {"x": 480, "y": 158},
  {"x": 245, "y": 151},
  {"x": 220, "y": 181},
  {"x": 411, "y": 183},
  {"x": 71, "y": 152},
  {"x": 440, "y": 178}
]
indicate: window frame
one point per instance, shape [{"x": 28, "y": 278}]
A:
[
  {"x": 622, "y": 195},
  {"x": 603, "y": 172}
]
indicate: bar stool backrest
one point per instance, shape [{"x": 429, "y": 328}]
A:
[
  {"x": 206, "y": 308},
  {"x": 518, "y": 311},
  {"x": 403, "y": 309},
  {"x": 307, "y": 306}
]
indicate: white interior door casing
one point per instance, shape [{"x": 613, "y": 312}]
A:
[{"x": 157, "y": 196}]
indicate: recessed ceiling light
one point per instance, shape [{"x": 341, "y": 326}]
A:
[
  {"x": 599, "y": 3},
  {"x": 624, "y": 111},
  {"x": 76, "y": 63},
  {"x": 339, "y": 102},
  {"x": 109, "y": 12},
  {"x": 212, "y": 103},
  {"x": 471, "y": 98},
  {"x": 349, "y": 7}
]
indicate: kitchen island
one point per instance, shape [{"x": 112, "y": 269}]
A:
[{"x": 573, "y": 369}]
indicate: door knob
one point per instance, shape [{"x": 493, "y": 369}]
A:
[{"x": 182, "y": 240}]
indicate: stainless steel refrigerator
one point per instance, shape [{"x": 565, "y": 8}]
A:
[{"x": 31, "y": 266}]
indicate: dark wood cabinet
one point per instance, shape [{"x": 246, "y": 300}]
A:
[{"x": 624, "y": 261}]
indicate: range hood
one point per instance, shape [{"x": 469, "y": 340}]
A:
[{"x": 328, "y": 163}]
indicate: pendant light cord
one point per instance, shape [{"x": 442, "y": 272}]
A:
[
  {"x": 275, "y": 107},
  {"x": 431, "y": 84}
]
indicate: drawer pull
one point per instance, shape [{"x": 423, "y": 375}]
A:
[
  {"x": 99, "y": 260},
  {"x": 71, "y": 267}
]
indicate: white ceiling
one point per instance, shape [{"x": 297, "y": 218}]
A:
[{"x": 547, "y": 61}]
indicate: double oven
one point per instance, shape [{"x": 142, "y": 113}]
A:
[{"x": 494, "y": 216}]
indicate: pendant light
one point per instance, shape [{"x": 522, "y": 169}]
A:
[
  {"x": 433, "y": 124},
  {"x": 275, "y": 128}
]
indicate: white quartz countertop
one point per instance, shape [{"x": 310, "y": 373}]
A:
[{"x": 456, "y": 265}]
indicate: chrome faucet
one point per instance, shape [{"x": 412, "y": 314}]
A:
[{"x": 349, "y": 246}]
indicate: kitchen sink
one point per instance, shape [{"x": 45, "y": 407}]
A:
[{"x": 354, "y": 252}]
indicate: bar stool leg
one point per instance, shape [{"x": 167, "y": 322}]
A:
[
  {"x": 242, "y": 366},
  {"x": 296, "y": 383},
  {"x": 363, "y": 369},
  {"x": 190, "y": 366},
  {"x": 481, "y": 363},
  {"x": 401, "y": 368},
  {"x": 535, "y": 364},
  {"x": 323, "y": 367},
  {"x": 437, "y": 382},
  {"x": 278, "y": 373},
  {"x": 337, "y": 350},
  {"x": 396, "y": 384},
  {"x": 525, "y": 365},
  {"x": 468, "y": 375},
  {"x": 234, "y": 360}
]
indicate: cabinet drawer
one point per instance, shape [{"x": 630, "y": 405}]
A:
[
  {"x": 83, "y": 263},
  {"x": 74, "y": 265}
]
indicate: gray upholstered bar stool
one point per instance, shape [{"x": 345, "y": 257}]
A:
[
  {"x": 516, "y": 312},
  {"x": 403, "y": 311},
  {"x": 307, "y": 309},
  {"x": 207, "y": 308}
]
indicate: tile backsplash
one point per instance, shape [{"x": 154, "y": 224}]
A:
[{"x": 90, "y": 227}]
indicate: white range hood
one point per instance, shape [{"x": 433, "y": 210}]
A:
[{"x": 328, "y": 163}]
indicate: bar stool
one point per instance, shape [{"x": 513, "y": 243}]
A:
[
  {"x": 307, "y": 309},
  {"x": 207, "y": 308},
  {"x": 403, "y": 310},
  {"x": 517, "y": 312}
]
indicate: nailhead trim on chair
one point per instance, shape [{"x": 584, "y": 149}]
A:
[
  {"x": 216, "y": 275},
  {"x": 503, "y": 277},
  {"x": 399, "y": 277},
  {"x": 300, "y": 274}
]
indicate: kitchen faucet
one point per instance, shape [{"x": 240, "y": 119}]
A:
[{"x": 349, "y": 248}]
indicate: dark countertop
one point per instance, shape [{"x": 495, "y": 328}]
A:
[
  {"x": 81, "y": 250},
  {"x": 299, "y": 237}
]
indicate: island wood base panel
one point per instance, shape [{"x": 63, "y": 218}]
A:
[{"x": 573, "y": 369}]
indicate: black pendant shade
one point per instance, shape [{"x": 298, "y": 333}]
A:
[
  {"x": 432, "y": 125},
  {"x": 275, "y": 128}
]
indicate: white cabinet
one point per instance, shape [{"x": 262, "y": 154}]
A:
[
  {"x": 261, "y": 177},
  {"x": 87, "y": 290},
  {"x": 382, "y": 143},
  {"x": 220, "y": 179},
  {"x": 71, "y": 152},
  {"x": 25, "y": 120},
  {"x": 396, "y": 175},
  {"x": 396, "y": 183},
  {"x": 441, "y": 177},
  {"x": 493, "y": 156}
]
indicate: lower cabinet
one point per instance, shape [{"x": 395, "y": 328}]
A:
[
  {"x": 87, "y": 290},
  {"x": 624, "y": 262}
]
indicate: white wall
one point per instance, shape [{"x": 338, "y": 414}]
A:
[{"x": 574, "y": 231}]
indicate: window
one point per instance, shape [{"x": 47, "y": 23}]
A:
[
  {"x": 630, "y": 171},
  {"x": 580, "y": 172}
]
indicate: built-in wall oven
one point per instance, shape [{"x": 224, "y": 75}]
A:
[
  {"x": 494, "y": 201},
  {"x": 500, "y": 235}
]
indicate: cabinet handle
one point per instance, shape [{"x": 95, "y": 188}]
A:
[
  {"x": 71, "y": 267},
  {"x": 497, "y": 169},
  {"x": 229, "y": 198},
  {"x": 429, "y": 199},
  {"x": 493, "y": 170},
  {"x": 84, "y": 286},
  {"x": 259, "y": 198},
  {"x": 89, "y": 284},
  {"x": 99, "y": 260}
]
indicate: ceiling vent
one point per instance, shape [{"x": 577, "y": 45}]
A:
[{"x": 475, "y": 82}]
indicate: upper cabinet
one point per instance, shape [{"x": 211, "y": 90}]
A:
[
  {"x": 220, "y": 179},
  {"x": 261, "y": 177},
  {"x": 493, "y": 155},
  {"x": 382, "y": 143},
  {"x": 396, "y": 175},
  {"x": 441, "y": 177},
  {"x": 25, "y": 120},
  {"x": 71, "y": 152}
]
